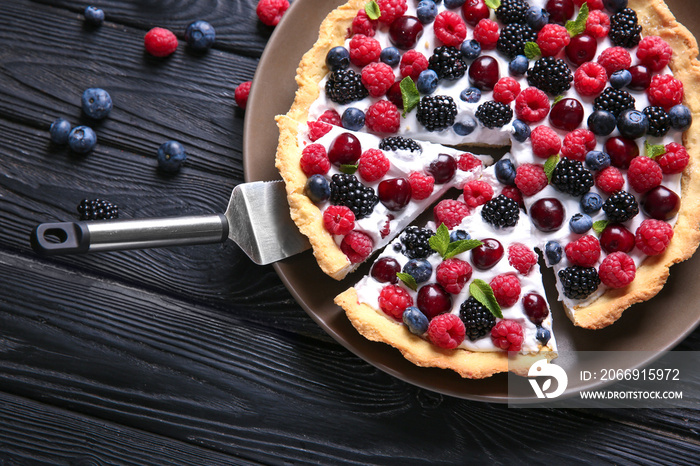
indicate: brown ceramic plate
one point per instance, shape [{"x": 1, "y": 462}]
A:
[{"x": 656, "y": 325}]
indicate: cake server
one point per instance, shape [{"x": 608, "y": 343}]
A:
[{"x": 257, "y": 219}]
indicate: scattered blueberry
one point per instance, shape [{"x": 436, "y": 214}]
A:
[
  {"x": 521, "y": 130},
  {"x": 620, "y": 79},
  {"x": 415, "y": 320},
  {"x": 505, "y": 172},
  {"x": 591, "y": 203},
  {"x": 632, "y": 124},
  {"x": 420, "y": 269},
  {"x": 602, "y": 122},
  {"x": 353, "y": 119},
  {"x": 681, "y": 118},
  {"x": 543, "y": 335},
  {"x": 94, "y": 16},
  {"x": 580, "y": 223},
  {"x": 82, "y": 139},
  {"x": 536, "y": 18},
  {"x": 171, "y": 155},
  {"x": 59, "y": 131},
  {"x": 458, "y": 235},
  {"x": 200, "y": 35},
  {"x": 614, "y": 6},
  {"x": 427, "y": 82},
  {"x": 338, "y": 58},
  {"x": 597, "y": 160},
  {"x": 450, "y": 4},
  {"x": 471, "y": 95},
  {"x": 390, "y": 55},
  {"x": 553, "y": 252},
  {"x": 427, "y": 11},
  {"x": 518, "y": 65},
  {"x": 96, "y": 103},
  {"x": 470, "y": 49},
  {"x": 465, "y": 127},
  {"x": 317, "y": 188}
]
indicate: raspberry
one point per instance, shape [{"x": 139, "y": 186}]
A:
[
  {"x": 609, "y": 180},
  {"x": 577, "y": 144},
  {"x": 507, "y": 335},
  {"x": 446, "y": 331},
  {"x": 545, "y": 142},
  {"x": 615, "y": 59},
  {"x": 421, "y": 185},
  {"x": 450, "y": 28},
  {"x": 506, "y": 289},
  {"x": 617, "y": 270},
  {"x": 386, "y": 229},
  {"x": 270, "y": 11},
  {"x": 590, "y": 79},
  {"x": 317, "y": 129},
  {"x": 592, "y": 4},
  {"x": 532, "y": 105},
  {"x": 338, "y": 220},
  {"x": 530, "y": 179},
  {"x": 412, "y": 64},
  {"x": 486, "y": 34},
  {"x": 583, "y": 252},
  {"x": 241, "y": 94},
  {"x": 521, "y": 258},
  {"x": 357, "y": 246},
  {"x": 674, "y": 160},
  {"x": 597, "y": 24},
  {"x": 314, "y": 160},
  {"x": 506, "y": 90},
  {"x": 654, "y": 53},
  {"x": 393, "y": 300},
  {"x": 361, "y": 24},
  {"x": 364, "y": 50},
  {"x": 450, "y": 212},
  {"x": 383, "y": 117},
  {"x": 552, "y": 39},
  {"x": 373, "y": 165},
  {"x": 468, "y": 162},
  {"x": 477, "y": 193},
  {"x": 377, "y": 78},
  {"x": 653, "y": 236},
  {"x": 391, "y": 9},
  {"x": 331, "y": 117},
  {"x": 160, "y": 42},
  {"x": 665, "y": 91},
  {"x": 453, "y": 274},
  {"x": 514, "y": 194},
  {"x": 644, "y": 174}
]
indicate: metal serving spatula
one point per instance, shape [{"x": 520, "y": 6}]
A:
[{"x": 257, "y": 219}]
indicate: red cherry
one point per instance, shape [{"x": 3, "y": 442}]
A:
[
  {"x": 560, "y": 11},
  {"x": 488, "y": 254},
  {"x": 443, "y": 168},
  {"x": 385, "y": 270},
  {"x": 641, "y": 78},
  {"x": 535, "y": 308},
  {"x": 395, "y": 193},
  {"x": 581, "y": 49},
  {"x": 394, "y": 95},
  {"x": 547, "y": 214},
  {"x": 567, "y": 114},
  {"x": 661, "y": 203},
  {"x": 345, "y": 150},
  {"x": 405, "y": 31},
  {"x": 433, "y": 300},
  {"x": 484, "y": 73},
  {"x": 616, "y": 238},
  {"x": 474, "y": 11},
  {"x": 621, "y": 151}
]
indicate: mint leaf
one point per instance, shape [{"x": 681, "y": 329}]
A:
[
  {"x": 458, "y": 247},
  {"x": 409, "y": 95},
  {"x": 558, "y": 99},
  {"x": 532, "y": 50},
  {"x": 550, "y": 165},
  {"x": 372, "y": 10},
  {"x": 482, "y": 292},
  {"x": 440, "y": 241},
  {"x": 578, "y": 25},
  {"x": 348, "y": 169},
  {"x": 493, "y": 4},
  {"x": 599, "y": 226},
  {"x": 408, "y": 280},
  {"x": 654, "y": 151}
]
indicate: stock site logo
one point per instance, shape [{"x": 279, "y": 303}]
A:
[{"x": 542, "y": 369}]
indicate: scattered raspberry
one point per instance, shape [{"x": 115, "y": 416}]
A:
[
  {"x": 383, "y": 117},
  {"x": 552, "y": 39},
  {"x": 314, "y": 160},
  {"x": 331, "y": 117},
  {"x": 450, "y": 212},
  {"x": 653, "y": 236},
  {"x": 597, "y": 24},
  {"x": 391, "y": 9},
  {"x": 506, "y": 90},
  {"x": 412, "y": 64},
  {"x": 513, "y": 193},
  {"x": 373, "y": 165},
  {"x": 521, "y": 258},
  {"x": 592, "y": 4},
  {"x": 506, "y": 289},
  {"x": 421, "y": 185},
  {"x": 477, "y": 193},
  {"x": 364, "y": 50},
  {"x": 361, "y": 24},
  {"x": 583, "y": 252},
  {"x": 665, "y": 91},
  {"x": 160, "y": 42},
  {"x": 393, "y": 300},
  {"x": 615, "y": 59},
  {"x": 317, "y": 129},
  {"x": 617, "y": 270},
  {"x": 507, "y": 335},
  {"x": 609, "y": 180},
  {"x": 241, "y": 94},
  {"x": 468, "y": 162},
  {"x": 377, "y": 78},
  {"x": 338, "y": 220},
  {"x": 450, "y": 29},
  {"x": 545, "y": 142},
  {"x": 453, "y": 274},
  {"x": 644, "y": 174},
  {"x": 577, "y": 144},
  {"x": 654, "y": 53},
  {"x": 270, "y": 11},
  {"x": 486, "y": 34},
  {"x": 386, "y": 229},
  {"x": 532, "y": 105},
  {"x": 446, "y": 331},
  {"x": 357, "y": 246},
  {"x": 590, "y": 79},
  {"x": 674, "y": 160},
  {"x": 530, "y": 179}
]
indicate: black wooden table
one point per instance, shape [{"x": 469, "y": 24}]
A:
[{"x": 194, "y": 355}]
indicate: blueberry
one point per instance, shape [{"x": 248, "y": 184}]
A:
[
  {"x": 505, "y": 172},
  {"x": 465, "y": 127},
  {"x": 602, "y": 122},
  {"x": 59, "y": 131},
  {"x": 427, "y": 11},
  {"x": 518, "y": 65},
  {"x": 338, "y": 58},
  {"x": 580, "y": 223},
  {"x": 200, "y": 35},
  {"x": 353, "y": 119},
  {"x": 317, "y": 188},
  {"x": 521, "y": 130},
  {"x": 681, "y": 118},
  {"x": 536, "y": 18},
  {"x": 620, "y": 79},
  {"x": 553, "y": 252},
  {"x": 82, "y": 139},
  {"x": 632, "y": 124},
  {"x": 458, "y": 235},
  {"x": 543, "y": 335},
  {"x": 390, "y": 55},
  {"x": 471, "y": 95},
  {"x": 94, "y": 16},
  {"x": 415, "y": 320},
  {"x": 420, "y": 269},
  {"x": 96, "y": 103},
  {"x": 597, "y": 160},
  {"x": 615, "y": 6},
  {"x": 450, "y": 4},
  {"x": 427, "y": 82},
  {"x": 171, "y": 155},
  {"x": 591, "y": 203},
  {"x": 470, "y": 49}
]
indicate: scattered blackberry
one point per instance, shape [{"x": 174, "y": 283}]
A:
[
  {"x": 552, "y": 75},
  {"x": 501, "y": 211},
  {"x": 436, "y": 112},
  {"x": 97, "y": 209},
  {"x": 624, "y": 29},
  {"x": 477, "y": 319},
  {"x": 345, "y": 86},
  {"x": 614, "y": 101},
  {"x": 348, "y": 191},
  {"x": 620, "y": 207},
  {"x": 415, "y": 242},
  {"x": 512, "y": 11},
  {"x": 513, "y": 38},
  {"x": 659, "y": 121},
  {"x": 400, "y": 143},
  {"x": 447, "y": 63},
  {"x": 494, "y": 114},
  {"x": 579, "y": 282},
  {"x": 570, "y": 176}
]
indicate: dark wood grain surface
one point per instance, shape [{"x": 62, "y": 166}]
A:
[{"x": 194, "y": 355}]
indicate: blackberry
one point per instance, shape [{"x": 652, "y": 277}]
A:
[
  {"x": 620, "y": 207},
  {"x": 570, "y": 176},
  {"x": 346, "y": 190},
  {"x": 447, "y": 62},
  {"x": 97, "y": 209},
  {"x": 512, "y": 11},
  {"x": 659, "y": 121},
  {"x": 400, "y": 143},
  {"x": 513, "y": 38},
  {"x": 478, "y": 320},
  {"x": 494, "y": 114},
  {"x": 501, "y": 211},
  {"x": 345, "y": 86},
  {"x": 624, "y": 29},
  {"x": 614, "y": 101},
  {"x": 552, "y": 75},
  {"x": 436, "y": 112},
  {"x": 579, "y": 282},
  {"x": 415, "y": 242}
]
